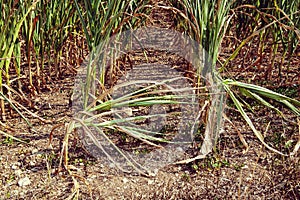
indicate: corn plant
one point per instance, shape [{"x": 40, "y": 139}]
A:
[
  {"x": 207, "y": 23},
  {"x": 58, "y": 21},
  {"x": 45, "y": 31},
  {"x": 44, "y": 26},
  {"x": 277, "y": 20},
  {"x": 100, "y": 21},
  {"x": 11, "y": 19}
]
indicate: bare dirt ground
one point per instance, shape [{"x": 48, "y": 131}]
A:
[{"x": 30, "y": 171}]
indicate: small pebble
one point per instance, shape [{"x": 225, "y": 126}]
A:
[
  {"x": 179, "y": 149},
  {"x": 93, "y": 176},
  {"x": 34, "y": 151},
  {"x": 125, "y": 180},
  {"x": 18, "y": 172},
  {"x": 14, "y": 192},
  {"x": 112, "y": 165},
  {"x": 24, "y": 182},
  {"x": 14, "y": 167},
  {"x": 32, "y": 163}
]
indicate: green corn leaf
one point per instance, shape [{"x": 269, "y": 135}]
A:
[
  {"x": 248, "y": 120},
  {"x": 140, "y": 135},
  {"x": 260, "y": 100},
  {"x": 128, "y": 119},
  {"x": 262, "y": 91},
  {"x": 291, "y": 106}
]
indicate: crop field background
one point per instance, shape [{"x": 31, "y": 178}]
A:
[{"x": 62, "y": 118}]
